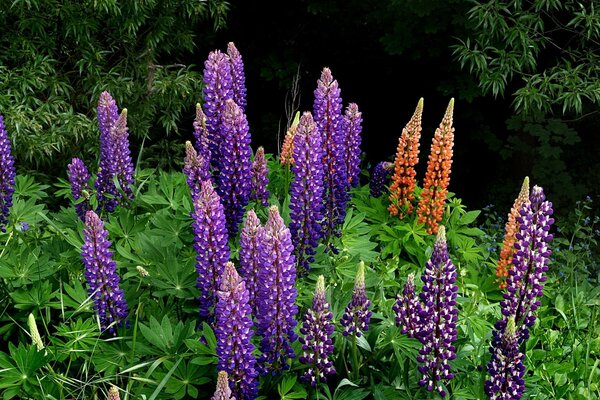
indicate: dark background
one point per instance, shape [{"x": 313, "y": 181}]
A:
[{"x": 385, "y": 56}]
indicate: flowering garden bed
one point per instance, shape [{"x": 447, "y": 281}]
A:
[{"x": 300, "y": 275}]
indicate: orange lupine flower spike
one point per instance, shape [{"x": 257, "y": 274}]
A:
[
  {"x": 511, "y": 229},
  {"x": 437, "y": 178},
  {"x": 287, "y": 148},
  {"x": 402, "y": 190}
]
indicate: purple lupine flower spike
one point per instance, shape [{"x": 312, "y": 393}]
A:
[
  {"x": 210, "y": 243},
  {"x": 234, "y": 178},
  {"x": 439, "y": 315},
  {"x": 237, "y": 75},
  {"x": 306, "y": 192},
  {"x": 357, "y": 315},
  {"x": 195, "y": 167},
  {"x": 202, "y": 143},
  {"x": 7, "y": 176},
  {"x": 380, "y": 178},
  {"x": 408, "y": 309},
  {"x": 222, "y": 392},
  {"x": 352, "y": 127},
  {"x": 276, "y": 296},
  {"x": 108, "y": 113},
  {"x": 250, "y": 256},
  {"x": 233, "y": 331},
  {"x": 506, "y": 367},
  {"x": 123, "y": 165},
  {"x": 328, "y": 117},
  {"x": 525, "y": 284},
  {"x": 101, "y": 274},
  {"x": 217, "y": 90},
  {"x": 316, "y": 341},
  {"x": 259, "y": 177},
  {"x": 79, "y": 177}
]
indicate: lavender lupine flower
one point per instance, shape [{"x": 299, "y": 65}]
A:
[
  {"x": 506, "y": 366},
  {"x": 222, "y": 392},
  {"x": 195, "y": 167},
  {"x": 260, "y": 180},
  {"x": 357, "y": 316},
  {"x": 108, "y": 113},
  {"x": 439, "y": 315},
  {"x": 123, "y": 165},
  {"x": 202, "y": 143},
  {"x": 233, "y": 331},
  {"x": 249, "y": 255},
  {"x": 234, "y": 178},
  {"x": 79, "y": 177},
  {"x": 276, "y": 296},
  {"x": 352, "y": 127},
  {"x": 306, "y": 192},
  {"x": 328, "y": 117},
  {"x": 210, "y": 243},
  {"x": 525, "y": 284},
  {"x": 7, "y": 176},
  {"x": 101, "y": 274},
  {"x": 217, "y": 90},
  {"x": 238, "y": 77},
  {"x": 408, "y": 309},
  {"x": 316, "y": 341},
  {"x": 380, "y": 177}
]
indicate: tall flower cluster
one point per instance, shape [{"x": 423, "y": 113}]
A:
[
  {"x": 101, "y": 274},
  {"x": 202, "y": 143},
  {"x": 506, "y": 366},
  {"x": 306, "y": 192},
  {"x": 525, "y": 284},
  {"x": 121, "y": 157},
  {"x": 233, "y": 331},
  {"x": 115, "y": 155},
  {"x": 357, "y": 315},
  {"x": 432, "y": 320},
  {"x": 250, "y": 263},
  {"x": 380, "y": 177},
  {"x": 196, "y": 168},
  {"x": 108, "y": 113},
  {"x": 7, "y": 176},
  {"x": 328, "y": 117},
  {"x": 238, "y": 78},
  {"x": 218, "y": 88},
  {"x": 510, "y": 235},
  {"x": 316, "y": 341},
  {"x": 222, "y": 392},
  {"x": 234, "y": 178},
  {"x": 402, "y": 191},
  {"x": 408, "y": 309},
  {"x": 78, "y": 178},
  {"x": 260, "y": 180},
  {"x": 113, "y": 393},
  {"x": 437, "y": 177},
  {"x": 352, "y": 128},
  {"x": 286, "y": 156},
  {"x": 210, "y": 243},
  {"x": 276, "y": 296}
]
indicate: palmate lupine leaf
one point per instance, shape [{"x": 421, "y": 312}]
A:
[{"x": 19, "y": 372}]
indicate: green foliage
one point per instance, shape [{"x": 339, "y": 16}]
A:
[
  {"x": 161, "y": 354},
  {"x": 58, "y": 56},
  {"x": 544, "y": 52}
]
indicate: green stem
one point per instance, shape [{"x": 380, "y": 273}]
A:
[
  {"x": 10, "y": 235},
  {"x": 135, "y": 327},
  {"x": 355, "y": 366}
]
